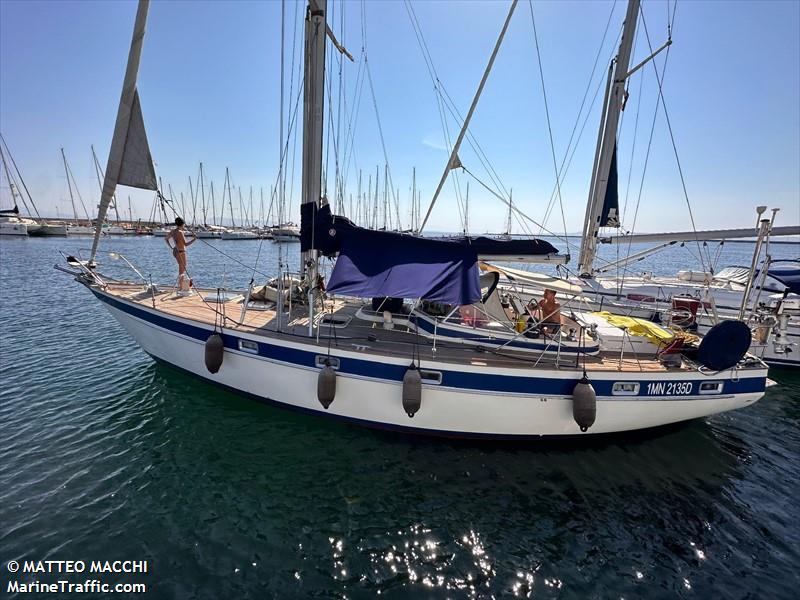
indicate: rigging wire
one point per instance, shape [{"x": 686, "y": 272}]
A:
[
  {"x": 562, "y": 171},
  {"x": 633, "y": 146},
  {"x": 547, "y": 114},
  {"x": 21, "y": 180},
  {"x": 659, "y": 79},
  {"x": 380, "y": 128},
  {"x": 77, "y": 191},
  {"x": 167, "y": 202},
  {"x": 282, "y": 208},
  {"x": 621, "y": 280},
  {"x": 442, "y": 100}
]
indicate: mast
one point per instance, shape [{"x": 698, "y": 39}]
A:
[
  {"x": 261, "y": 207},
  {"x": 243, "y": 210},
  {"x": 20, "y": 181},
  {"x": 11, "y": 186},
  {"x": 466, "y": 212},
  {"x": 607, "y": 141},
  {"x": 129, "y": 114},
  {"x": 203, "y": 197},
  {"x": 98, "y": 171},
  {"x": 413, "y": 198},
  {"x": 213, "y": 202},
  {"x": 213, "y": 208},
  {"x": 387, "y": 214},
  {"x": 313, "y": 106},
  {"x": 375, "y": 206},
  {"x": 69, "y": 186},
  {"x": 230, "y": 198},
  {"x": 510, "y": 207},
  {"x": 193, "y": 198},
  {"x": 251, "y": 217}
]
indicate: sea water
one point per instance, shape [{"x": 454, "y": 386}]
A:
[{"x": 107, "y": 456}]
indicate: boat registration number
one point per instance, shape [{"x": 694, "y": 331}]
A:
[{"x": 669, "y": 388}]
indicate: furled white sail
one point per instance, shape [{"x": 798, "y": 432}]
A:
[{"x": 129, "y": 159}]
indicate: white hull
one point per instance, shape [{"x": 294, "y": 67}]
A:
[
  {"x": 80, "y": 230},
  {"x": 450, "y": 411},
  {"x": 15, "y": 229},
  {"x": 207, "y": 235},
  {"x": 287, "y": 233},
  {"x": 21, "y": 226},
  {"x": 118, "y": 230},
  {"x": 239, "y": 235},
  {"x": 52, "y": 230}
]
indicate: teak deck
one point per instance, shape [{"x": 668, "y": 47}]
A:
[{"x": 396, "y": 342}]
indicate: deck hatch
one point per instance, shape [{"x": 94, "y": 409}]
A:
[{"x": 337, "y": 321}]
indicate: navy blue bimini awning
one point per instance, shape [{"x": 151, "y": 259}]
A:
[{"x": 375, "y": 264}]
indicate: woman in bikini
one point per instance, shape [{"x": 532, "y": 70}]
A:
[{"x": 179, "y": 251}]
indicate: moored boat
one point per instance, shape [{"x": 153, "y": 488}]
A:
[
  {"x": 239, "y": 234},
  {"x": 309, "y": 350}
]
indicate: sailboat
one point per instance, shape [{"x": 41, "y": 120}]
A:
[
  {"x": 304, "y": 343},
  {"x": 288, "y": 232},
  {"x": 11, "y": 221},
  {"x": 75, "y": 228}
]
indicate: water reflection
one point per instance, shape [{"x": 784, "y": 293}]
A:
[
  {"x": 105, "y": 455},
  {"x": 381, "y": 513}
]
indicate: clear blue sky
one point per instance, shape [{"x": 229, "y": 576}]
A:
[{"x": 209, "y": 85}]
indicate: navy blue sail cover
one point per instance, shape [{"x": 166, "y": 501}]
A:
[
  {"x": 385, "y": 263},
  {"x": 609, "y": 217}
]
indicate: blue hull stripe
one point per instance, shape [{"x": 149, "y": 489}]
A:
[{"x": 374, "y": 369}]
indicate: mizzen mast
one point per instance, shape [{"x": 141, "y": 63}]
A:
[{"x": 607, "y": 142}]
